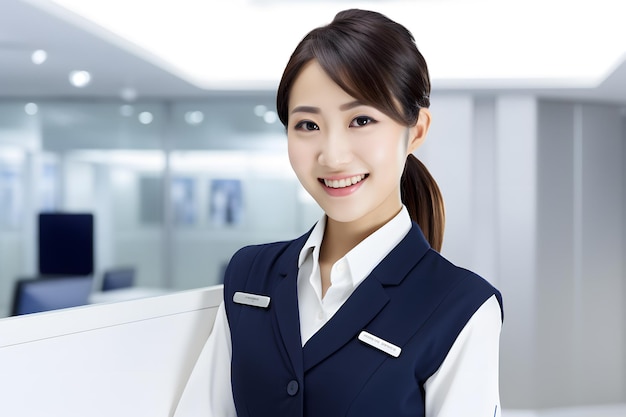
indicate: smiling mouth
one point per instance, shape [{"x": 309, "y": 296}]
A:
[{"x": 344, "y": 182}]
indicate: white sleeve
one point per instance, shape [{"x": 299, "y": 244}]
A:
[
  {"x": 208, "y": 391},
  {"x": 466, "y": 383}
]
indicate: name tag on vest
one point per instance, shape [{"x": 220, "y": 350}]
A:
[
  {"x": 380, "y": 344},
  {"x": 254, "y": 300}
]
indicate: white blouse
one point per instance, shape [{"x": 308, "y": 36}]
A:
[{"x": 465, "y": 384}]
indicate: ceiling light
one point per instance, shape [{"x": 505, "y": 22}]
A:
[
  {"x": 194, "y": 117},
  {"x": 260, "y": 110},
  {"x": 145, "y": 117},
  {"x": 270, "y": 117},
  {"x": 31, "y": 109},
  {"x": 80, "y": 79},
  {"x": 39, "y": 57}
]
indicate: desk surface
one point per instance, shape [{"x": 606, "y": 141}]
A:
[{"x": 125, "y": 294}]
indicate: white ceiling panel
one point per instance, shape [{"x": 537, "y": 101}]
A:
[{"x": 195, "y": 48}]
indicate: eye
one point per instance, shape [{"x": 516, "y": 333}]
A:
[
  {"x": 361, "y": 121},
  {"x": 306, "y": 125}
]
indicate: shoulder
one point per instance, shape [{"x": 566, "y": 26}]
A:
[
  {"x": 449, "y": 297},
  {"x": 257, "y": 255},
  {"x": 464, "y": 285},
  {"x": 263, "y": 260},
  {"x": 253, "y": 257},
  {"x": 248, "y": 254}
]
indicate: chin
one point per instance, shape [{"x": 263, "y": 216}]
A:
[{"x": 343, "y": 215}]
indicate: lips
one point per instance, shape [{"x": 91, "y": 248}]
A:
[{"x": 344, "y": 182}]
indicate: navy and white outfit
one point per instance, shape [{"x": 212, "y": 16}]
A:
[{"x": 400, "y": 332}]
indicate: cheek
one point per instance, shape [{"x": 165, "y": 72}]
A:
[
  {"x": 389, "y": 153},
  {"x": 298, "y": 157}
]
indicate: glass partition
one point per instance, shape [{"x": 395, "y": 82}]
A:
[{"x": 175, "y": 187}]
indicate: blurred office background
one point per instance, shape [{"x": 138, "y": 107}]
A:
[{"x": 172, "y": 142}]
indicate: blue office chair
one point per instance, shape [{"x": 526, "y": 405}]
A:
[
  {"x": 34, "y": 295},
  {"x": 116, "y": 278}
]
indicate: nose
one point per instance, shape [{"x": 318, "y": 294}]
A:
[{"x": 335, "y": 151}]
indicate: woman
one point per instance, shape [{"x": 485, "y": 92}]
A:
[{"x": 361, "y": 316}]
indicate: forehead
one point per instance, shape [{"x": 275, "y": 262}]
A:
[{"x": 313, "y": 86}]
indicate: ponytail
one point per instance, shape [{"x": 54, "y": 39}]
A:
[{"x": 422, "y": 197}]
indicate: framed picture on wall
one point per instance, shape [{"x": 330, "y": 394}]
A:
[
  {"x": 184, "y": 202},
  {"x": 225, "y": 202}
]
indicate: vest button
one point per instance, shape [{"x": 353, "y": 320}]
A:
[{"x": 292, "y": 387}]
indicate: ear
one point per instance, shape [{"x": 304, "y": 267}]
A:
[{"x": 417, "y": 133}]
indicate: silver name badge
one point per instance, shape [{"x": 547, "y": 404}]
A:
[
  {"x": 255, "y": 300},
  {"x": 380, "y": 344}
]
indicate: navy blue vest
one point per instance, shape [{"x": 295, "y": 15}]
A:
[{"x": 414, "y": 299}]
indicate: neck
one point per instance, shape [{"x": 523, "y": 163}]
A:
[{"x": 341, "y": 237}]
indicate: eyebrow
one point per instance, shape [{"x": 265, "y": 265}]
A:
[
  {"x": 316, "y": 110},
  {"x": 350, "y": 105},
  {"x": 305, "y": 109}
]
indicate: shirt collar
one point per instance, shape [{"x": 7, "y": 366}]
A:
[
  {"x": 314, "y": 241},
  {"x": 364, "y": 257}
]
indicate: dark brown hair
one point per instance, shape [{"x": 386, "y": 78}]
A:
[{"x": 376, "y": 61}]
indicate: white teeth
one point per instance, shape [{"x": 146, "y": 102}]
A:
[{"x": 345, "y": 182}]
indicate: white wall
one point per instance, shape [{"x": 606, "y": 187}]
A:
[
  {"x": 598, "y": 293},
  {"x": 624, "y": 234},
  {"x": 555, "y": 250},
  {"x": 581, "y": 246},
  {"x": 516, "y": 172},
  {"x": 484, "y": 248}
]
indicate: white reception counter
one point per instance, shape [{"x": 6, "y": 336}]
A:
[{"x": 130, "y": 358}]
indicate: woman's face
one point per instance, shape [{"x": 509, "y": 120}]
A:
[{"x": 349, "y": 156}]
